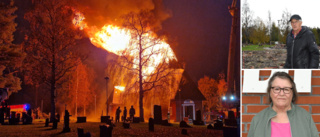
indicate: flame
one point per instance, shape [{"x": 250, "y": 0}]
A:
[
  {"x": 117, "y": 40},
  {"x": 120, "y": 88}
]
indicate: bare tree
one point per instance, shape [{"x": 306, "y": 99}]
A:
[
  {"x": 247, "y": 20},
  {"x": 50, "y": 44},
  {"x": 284, "y": 25},
  {"x": 145, "y": 58}
]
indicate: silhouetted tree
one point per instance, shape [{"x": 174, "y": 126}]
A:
[
  {"x": 50, "y": 44},
  {"x": 11, "y": 55},
  {"x": 144, "y": 50}
]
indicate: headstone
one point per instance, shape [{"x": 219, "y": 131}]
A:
[
  {"x": 55, "y": 124},
  {"x": 2, "y": 115},
  {"x": 229, "y": 131},
  {"x": 80, "y": 132},
  {"x": 81, "y": 119},
  {"x": 47, "y": 122},
  {"x": 184, "y": 132},
  {"x": 210, "y": 126},
  {"x": 106, "y": 131},
  {"x": 198, "y": 120},
  {"x": 104, "y": 119},
  {"x": 151, "y": 124},
  {"x": 136, "y": 120},
  {"x": 157, "y": 114},
  {"x": 184, "y": 124},
  {"x": 66, "y": 127},
  {"x": 218, "y": 125},
  {"x": 126, "y": 125},
  {"x": 166, "y": 123}
]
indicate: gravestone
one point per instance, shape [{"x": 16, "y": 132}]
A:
[
  {"x": 126, "y": 125},
  {"x": 47, "y": 123},
  {"x": 184, "y": 132},
  {"x": 66, "y": 127},
  {"x": 55, "y": 124},
  {"x": 151, "y": 124},
  {"x": 210, "y": 126},
  {"x": 2, "y": 115},
  {"x": 165, "y": 123},
  {"x": 218, "y": 125},
  {"x": 106, "y": 130},
  {"x": 104, "y": 119},
  {"x": 157, "y": 114},
  {"x": 136, "y": 120},
  {"x": 184, "y": 124},
  {"x": 81, "y": 119},
  {"x": 80, "y": 132},
  {"x": 198, "y": 120}
]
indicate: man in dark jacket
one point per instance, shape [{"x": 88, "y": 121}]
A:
[{"x": 302, "y": 50}]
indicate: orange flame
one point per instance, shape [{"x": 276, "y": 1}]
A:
[{"x": 116, "y": 40}]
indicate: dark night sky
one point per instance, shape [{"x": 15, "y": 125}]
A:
[{"x": 202, "y": 30}]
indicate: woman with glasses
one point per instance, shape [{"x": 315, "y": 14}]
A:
[{"x": 283, "y": 118}]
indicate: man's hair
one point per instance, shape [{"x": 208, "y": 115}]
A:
[{"x": 282, "y": 75}]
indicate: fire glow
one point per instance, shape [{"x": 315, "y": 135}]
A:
[{"x": 117, "y": 40}]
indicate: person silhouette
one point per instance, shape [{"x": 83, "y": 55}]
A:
[
  {"x": 118, "y": 111},
  {"x": 132, "y": 111}
]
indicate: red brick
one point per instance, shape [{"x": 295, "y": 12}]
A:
[
  {"x": 242, "y": 127},
  {"x": 315, "y": 90},
  {"x": 265, "y": 100},
  {"x": 308, "y": 100},
  {"x": 248, "y": 127},
  {"x": 247, "y": 118},
  {"x": 315, "y": 73},
  {"x": 265, "y": 72},
  {"x": 305, "y": 107},
  {"x": 251, "y": 100},
  {"x": 315, "y": 81},
  {"x": 315, "y": 109},
  {"x": 291, "y": 73},
  {"x": 255, "y": 109},
  {"x": 242, "y": 109},
  {"x": 244, "y": 134},
  {"x": 316, "y": 118},
  {"x": 318, "y": 127}
]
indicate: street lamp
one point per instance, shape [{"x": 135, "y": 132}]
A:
[{"x": 107, "y": 78}]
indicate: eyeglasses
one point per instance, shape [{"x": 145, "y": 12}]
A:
[{"x": 277, "y": 90}]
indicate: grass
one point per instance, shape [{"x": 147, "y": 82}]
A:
[
  {"x": 135, "y": 130},
  {"x": 255, "y": 47}
]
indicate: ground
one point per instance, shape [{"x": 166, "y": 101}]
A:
[{"x": 136, "y": 129}]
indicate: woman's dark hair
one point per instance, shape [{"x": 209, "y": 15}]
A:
[{"x": 282, "y": 75}]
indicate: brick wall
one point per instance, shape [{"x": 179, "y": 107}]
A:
[{"x": 252, "y": 103}]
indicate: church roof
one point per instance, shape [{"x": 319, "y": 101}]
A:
[{"x": 188, "y": 89}]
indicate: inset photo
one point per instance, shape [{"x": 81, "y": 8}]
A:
[
  {"x": 280, "y": 34},
  {"x": 280, "y": 102}
]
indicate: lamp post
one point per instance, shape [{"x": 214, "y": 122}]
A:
[{"x": 107, "y": 78}]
